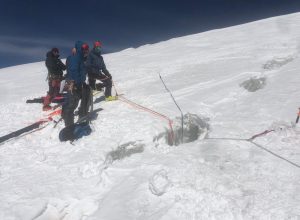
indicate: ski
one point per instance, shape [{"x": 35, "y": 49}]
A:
[
  {"x": 26, "y": 129},
  {"x": 57, "y": 99},
  {"x": 33, "y": 127}
]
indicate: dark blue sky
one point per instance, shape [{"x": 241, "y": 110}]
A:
[{"x": 29, "y": 28}]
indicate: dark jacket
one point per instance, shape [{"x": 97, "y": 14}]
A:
[
  {"x": 75, "y": 66},
  {"x": 54, "y": 65},
  {"x": 95, "y": 64}
]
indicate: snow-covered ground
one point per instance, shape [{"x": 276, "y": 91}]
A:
[{"x": 235, "y": 83}]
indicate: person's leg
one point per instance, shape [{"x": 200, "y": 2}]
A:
[
  {"x": 47, "y": 102},
  {"x": 92, "y": 80},
  {"x": 69, "y": 107},
  {"x": 99, "y": 86},
  {"x": 85, "y": 101},
  {"x": 56, "y": 88},
  {"x": 107, "y": 83},
  {"x": 47, "y": 98},
  {"x": 92, "y": 83},
  {"x": 49, "y": 84}
]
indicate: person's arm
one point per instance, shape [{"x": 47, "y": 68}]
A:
[
  {"x": 61, "y": 65},
  {"x": 72, "y": 68},
  {"x": 104, "y": 69},
  {"x": 90, "y": 66},
  {"x": 50, "y": 64}
]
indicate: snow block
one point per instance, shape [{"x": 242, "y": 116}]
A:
[
  {"x": 125, "y": 150},
  {"x": 253, "y": 84}
]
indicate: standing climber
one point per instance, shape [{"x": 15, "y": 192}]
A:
[
  {"x": 55, "y": 75},
  {"x": 96, "y": 69},
  {"x": 77, "y": 88}
]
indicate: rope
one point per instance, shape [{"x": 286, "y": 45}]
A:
[
  {"x": 56, "y": 112},
  {"x": 249, "y": 140},
  {"x": 259, "y": 146},
  {"x": 114, "y": 87},
  {"x": 159, "y": 115},
  {"x": 135, "y": 105},
  {"x": 260, "y": 134},
  {"x": 274, "y": 154},
  {"x": 175, "y": 104}
]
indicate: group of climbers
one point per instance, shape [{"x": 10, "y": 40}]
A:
[{"x": 80, "y": 64}]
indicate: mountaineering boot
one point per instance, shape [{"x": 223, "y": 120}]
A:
[{"x": 111, "y": 98}]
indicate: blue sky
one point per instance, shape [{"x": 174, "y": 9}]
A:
[{"x": 29, "y": 28}]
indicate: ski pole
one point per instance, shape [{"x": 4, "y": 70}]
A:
[
  {"x": 176, "y": 105},
  {"x": 297, "y": 119},
  {"x": 57, "y": 122},
  {"x": 113, "y": 83}
]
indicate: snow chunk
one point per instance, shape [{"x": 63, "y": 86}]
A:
[
  {"x": 276, "y": 63},
  {"x": 159, "y": 183},
  {"x": 253, "y": 84},
  {"x": 125, "y": 150}
]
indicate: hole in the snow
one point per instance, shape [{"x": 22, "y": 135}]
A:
[
  {"x": 194, "y": 128},
  {"x": 254, "y": 84}
]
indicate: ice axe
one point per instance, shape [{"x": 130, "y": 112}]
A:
[{"x": 297, "y": 119}]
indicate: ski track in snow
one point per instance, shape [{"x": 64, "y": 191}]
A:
[{"x": 119, "y": 172}]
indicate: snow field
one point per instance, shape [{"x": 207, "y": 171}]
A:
[{"x": 124, "y": 171}]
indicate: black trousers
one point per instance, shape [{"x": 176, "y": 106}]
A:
[
  {"x": 106, "y": 83},
  {"x": 82, "y": 93}
]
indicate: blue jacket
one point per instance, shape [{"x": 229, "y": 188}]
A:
[
  {"x": 75, "y": 66},
  {"x": 95, "y": 64}
]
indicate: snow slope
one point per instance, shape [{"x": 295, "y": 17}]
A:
[{"x": 121, "y": 171}]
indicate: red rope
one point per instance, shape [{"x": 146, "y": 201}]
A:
[
  {"x": 260, "y": 134},
  {"x": 56, "y": 112},
  {"x": 135, "y": 105}
]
